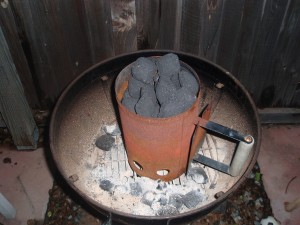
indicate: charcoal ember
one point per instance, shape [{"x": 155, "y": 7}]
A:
[
  {"x": 144, "y": 69},
  {"x": 165, "y": 90},
  {"x": 198, "y": 175},
  {"x": 129, "y": 102},
  {"x": 192, "y": 198},
  {"x": 168, "y": 65},
  {"x": 148, "y": 198},
  {"x": 105, "y": 142},
  {"x": 188, "y": 81},
  {"x": 147, "y": 104},
  {"x": 179, "y": 103},
  {"x": 134, "y": 87},
  {"x": 106, "y": 185},
  {"x": 136, "y": 189},
  {"x": 175, "y": 80},
  {"x": 176, "y": 201},
  {"x": 167, "y": 210}
]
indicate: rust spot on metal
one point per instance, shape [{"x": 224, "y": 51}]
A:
[{"x": 122, "y": 90}]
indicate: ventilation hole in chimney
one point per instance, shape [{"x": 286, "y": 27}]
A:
[
  {"x": 162, "y": 172},
  {"x": 137, "y": 165}
]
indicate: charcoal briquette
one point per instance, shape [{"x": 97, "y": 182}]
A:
[
  {"x": 175, "y": 80},
  {"x": 144, "y": 69},
  {"x": 165, "y": 90},
  {"x": 189, "y": 81},
  {"x": 148, "y": 197},
  {"x": 168, "y": 65},
  {"x": 136, "y": 189},
  {"x": 106, "y": 185},
  {"x": 105, "y": 142},
  {"x": 192, "y": 198},
  {"x": 163, "y": 200},
  {"x": 179, "y": 103},
  {"x": 134, "y": 87},
  {"x": 176, "y": 201},
  {"x": 147, "y": 105},
  {"x": 129, "y": 102},
  {"x": 167, "y": 210}
]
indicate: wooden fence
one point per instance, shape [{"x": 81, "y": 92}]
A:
[{"x": 53, "y": 41}]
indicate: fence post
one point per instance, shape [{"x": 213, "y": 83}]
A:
[{"x": 13, "y": 104}]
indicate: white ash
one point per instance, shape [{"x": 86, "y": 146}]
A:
[{"x": 114, "y": 184}]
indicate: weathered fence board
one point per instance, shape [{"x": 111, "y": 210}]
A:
[
  {"x": 257, "y": 41},
  {"x": 230, "y": 31},
  {"x": 98, "y": 28},
  {"x": 147, "y": 19},
  {"x": 285, "y": 71},
  {"x": 211, "y": 21},
  {"x": 169, "y": 24},
  {"x": 191, "y": 26},
  {"x": 13, "y": 104},
  {"x": 123, "y": 15},
  {"x": 247, "y": 41},
  {"x": 8, "y": 22},
  {"x": 272, "y": 15}
]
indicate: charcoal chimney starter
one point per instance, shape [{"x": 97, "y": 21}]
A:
[{"x": 158, "y": 148}]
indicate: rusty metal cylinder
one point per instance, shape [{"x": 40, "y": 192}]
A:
[{"x": 158, "y": 148}]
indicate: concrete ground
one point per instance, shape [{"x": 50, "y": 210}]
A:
[
  {"x": 25, "y": 180},
  {"x": 25, "y": 177},
  {"x": 279, "y": 162}
]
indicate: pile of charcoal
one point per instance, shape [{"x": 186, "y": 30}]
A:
[{"x": 160, "y": 87}]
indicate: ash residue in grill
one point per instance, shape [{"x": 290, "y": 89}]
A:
[
  {"x": 160, "y": 87},
  {"x": 113, "y": 183},
  {"x": 198, "y": 175},
  {"x": 112, "y": 129}
]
